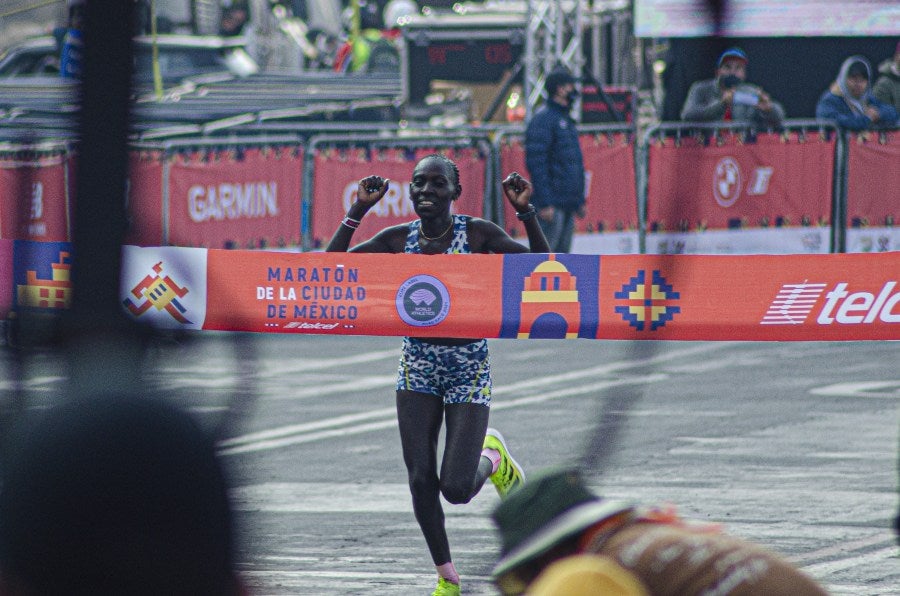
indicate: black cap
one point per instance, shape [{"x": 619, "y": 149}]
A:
[
  {"x": 558, "y": 77},
  {"x": 552, "y": 506}
]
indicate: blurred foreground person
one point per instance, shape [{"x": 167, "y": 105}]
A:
[
  {"x": 114, "y": 495},
  {"x": 560, "y": 538}
]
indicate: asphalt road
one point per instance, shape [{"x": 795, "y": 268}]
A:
[{"x": 792, "y": 445}]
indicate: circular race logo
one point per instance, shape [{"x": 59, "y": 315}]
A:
[
  {"x": 727, "y": 182},
  {"x": 423, "y": 301}
]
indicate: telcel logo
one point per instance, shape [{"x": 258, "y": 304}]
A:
[{"x": 853, "y": 308}]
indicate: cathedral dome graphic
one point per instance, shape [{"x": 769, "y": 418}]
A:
[{"x": 549, "y": 308}]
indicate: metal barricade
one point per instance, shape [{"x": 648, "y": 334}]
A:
[
  {"x": 870, "y": 191},
  {"x": 35, "y": 190},
  {"x": 611, "y": 224},
  {"x": 736, "y": 189}
]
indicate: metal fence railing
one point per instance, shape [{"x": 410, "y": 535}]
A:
[{"x": 694, "y": 144}]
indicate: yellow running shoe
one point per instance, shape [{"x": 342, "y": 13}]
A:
[
  {"x": 446, "y": 588},
  {"x": 509, "y": 475}
]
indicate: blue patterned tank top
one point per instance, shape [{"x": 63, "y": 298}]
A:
[{"x": 459, "y": 244}]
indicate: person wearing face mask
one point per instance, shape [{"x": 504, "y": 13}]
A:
[
  {"x": 730, "y": 98},
  {"x": 850, "y": 102},
  {"x": 554, "y": 161},
  {"x": 445, "y": 381}
]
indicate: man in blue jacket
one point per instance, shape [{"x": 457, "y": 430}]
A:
[
  {"x": 554, "y": 161},
  {"x": 850, "y": 102}
]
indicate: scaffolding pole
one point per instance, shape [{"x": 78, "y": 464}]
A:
[{"x": 553, "y": 38}]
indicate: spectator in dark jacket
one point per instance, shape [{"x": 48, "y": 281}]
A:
[
  {"x": 728, "y": 97},
  {"x": 850, "y": 102},
  {"x": 554, "y": 161},
  {"x": 887, "y": 87}
]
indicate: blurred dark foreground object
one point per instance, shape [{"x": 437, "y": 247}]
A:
[
  {"x": 558, "y": 537},
  {"x": 114, "y": 495}
]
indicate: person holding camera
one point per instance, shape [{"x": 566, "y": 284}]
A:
[{"x": 729, "y": 97}]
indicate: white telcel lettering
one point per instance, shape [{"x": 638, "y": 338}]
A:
[
  {"x": 831, "y": 299},
  {"x": 890, "y": 303},
  {"x": 860, "y": 307},
  {"x": 859, "y": 302}
]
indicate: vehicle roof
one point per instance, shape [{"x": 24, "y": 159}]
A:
[{"x": 165, "y": 40}]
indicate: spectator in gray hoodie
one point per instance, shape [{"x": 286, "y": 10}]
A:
[{"x": 849, "y": 100}]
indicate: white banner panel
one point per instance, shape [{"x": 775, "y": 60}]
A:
[
  {"x": 165, "y": 286},
  {"x": 772, "y": 241}
]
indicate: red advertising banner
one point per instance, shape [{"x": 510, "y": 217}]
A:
[
  {"x": 609, "y": 183},
  {"x": 512, "y": 159},
  {"x": 6, "y": 277},
  {"x": 34, "y": 198},
  {"x": 773, "y": 181},
  {"x": 145, "y": 198},
  {"x": 337, "y": 173},
  {"x": 873, "y": 179},
  {"x": 246, "y": 199},
  {"x": 360, "y": 294}
]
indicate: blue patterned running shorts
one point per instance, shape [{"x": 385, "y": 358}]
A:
[{"x": 458, "y": 374}]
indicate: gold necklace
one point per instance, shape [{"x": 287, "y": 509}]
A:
[{"x": 439, "y": 236}]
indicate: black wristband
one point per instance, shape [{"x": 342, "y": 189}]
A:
[{"x": 528, "y": 214}]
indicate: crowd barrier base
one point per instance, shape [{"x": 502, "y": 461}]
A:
[{"x": 873, "y": 239}]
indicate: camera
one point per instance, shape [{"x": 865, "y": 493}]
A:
[{"x": 746, "y": 98}]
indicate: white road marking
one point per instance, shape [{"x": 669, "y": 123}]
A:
[
  {"x": 283, "y": 431},
  {"x": 821, "y": 569},
  {"x": 359, "y": 575},
  {"x": 32, "y": 383},
  {"x": 882, "y": 538},
  {"x": 309, "y": 437},
  {"x": 317, "y": 364},
  {"x": 347, "y": 497},
  {"x": 875, "y": 389},
  {"x": 508, "y": 396},
  {"x": 287, "y": 437}
]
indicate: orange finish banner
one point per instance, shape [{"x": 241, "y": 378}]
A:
[
  {"x": 844, "y": 297},
  {"x": 360, "y": 294},
  {"x": 751, "y": 298},
  {"x": 656, "y": 297}
]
